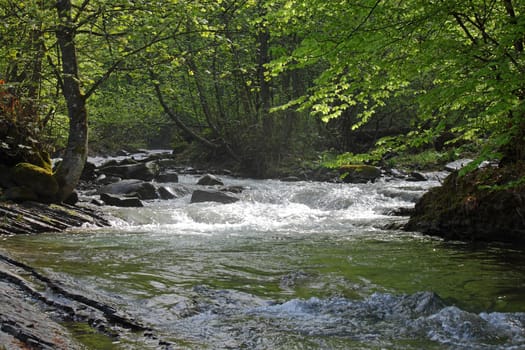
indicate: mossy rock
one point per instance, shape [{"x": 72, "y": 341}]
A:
[
  {"x": 359, "y": 173},
  {"x": 35, "y": 178},
  {"x": 485, "y": 205},
  {"x": 43, "y": 160}
]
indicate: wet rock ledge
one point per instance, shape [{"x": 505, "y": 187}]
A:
[
  {"x": 35, "y": 308},
  {"x": 34, "y": 217}
]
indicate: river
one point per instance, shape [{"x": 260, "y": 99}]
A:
[{"x": 293, "y": 265}]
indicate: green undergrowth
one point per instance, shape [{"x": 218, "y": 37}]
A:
[{"x": 424, "y": 160}]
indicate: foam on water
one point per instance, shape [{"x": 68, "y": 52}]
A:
[
  {"x": 291, "y": 265},
  {"x": 272, "y": 206},
  {"x": 215, "y": 317}
]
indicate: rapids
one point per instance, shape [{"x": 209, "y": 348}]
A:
[{"x": 298, "y": 265}]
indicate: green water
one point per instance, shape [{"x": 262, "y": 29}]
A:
[
  {"x": 483, "y": 278},
  {"x": 264, "y": 274}
]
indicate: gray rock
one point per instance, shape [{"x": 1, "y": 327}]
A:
[
  {"x": 167, "y": 177},
  {"x": 88, "y": 173},
  {"x": 97, "y": 202},
  {"x": 35, "y": 217},
  {"x": 121, "y": 202},
  {"x": 140, "y": 171},
  {"x": 398, "y": 174},
  {"x": 166, "y": 193},
  {"x": 199, "y": 196},
  {"x": 457, "y": 164},
  {"x": 415, "y": 176},
  {"x": 210, "y": 180},
  {"x": 144, "y": 190}
]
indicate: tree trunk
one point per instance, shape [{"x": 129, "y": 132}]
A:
[{"x": 70, "y": 170}]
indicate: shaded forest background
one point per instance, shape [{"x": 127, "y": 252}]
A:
[{"x": 267, "y": 85}]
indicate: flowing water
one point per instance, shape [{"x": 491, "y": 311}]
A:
[{"x": 291, "y": 266}]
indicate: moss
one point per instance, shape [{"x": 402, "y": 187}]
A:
[
  {"x": 487, "y": 204},
  {"x": 40, "y": 159},
  {"x": 38, "y": 179}
]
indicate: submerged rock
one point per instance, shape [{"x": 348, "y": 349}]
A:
[
  {"x": 212, "y": 196},
  {"x": 35, "y": 307}
]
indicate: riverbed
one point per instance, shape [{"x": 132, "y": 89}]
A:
[{"x": 292, "y": 265}]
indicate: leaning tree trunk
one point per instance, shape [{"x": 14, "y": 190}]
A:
[{"x": 70, "y": 170}]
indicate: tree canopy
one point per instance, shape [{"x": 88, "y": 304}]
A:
[
  {"x": 259, "y": 82},
  {"x": 461, "y": 61}
]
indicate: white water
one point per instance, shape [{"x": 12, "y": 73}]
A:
[{"x": 292, "y": 266}]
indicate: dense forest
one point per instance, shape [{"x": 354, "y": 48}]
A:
[{"x": 261, "y": 84}]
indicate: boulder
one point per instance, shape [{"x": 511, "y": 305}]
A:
[
  {"x": 127, "y": 202},
  {"x": 109, "y": 163},
  {"x": 359, "y": 173},
  {"x": 415, "y": 177},
  {"x": 102, "y": 179},
  {"x": 72, "y": 199},
  {"x": 37, "y": 179},
  {"x": 487, "y": 204},
  {"x": 199, "y": 196},
  {"x": 140, "y": 171},
  {"x": 88, "y": 174},
  {"x": 166, "y": 193},
  {"x": 167, "y": 177},
  {"x": 210, "y": 180},
  {"x": 144, "y": 190}
]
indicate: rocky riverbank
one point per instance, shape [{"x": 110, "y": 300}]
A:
[
  {"x": 487, "y": 204},
  {"x": 35, "y": 217},
  {"x": 35, "y": 310}
]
